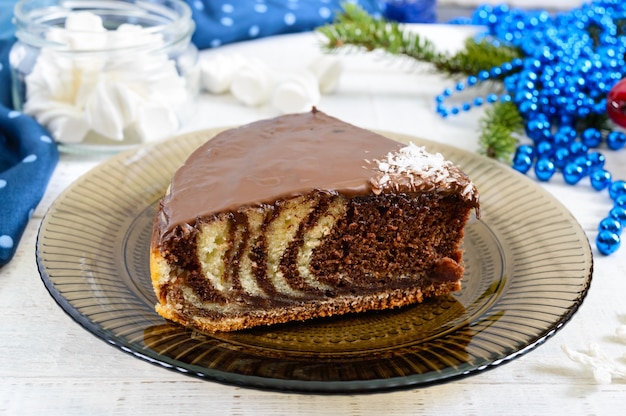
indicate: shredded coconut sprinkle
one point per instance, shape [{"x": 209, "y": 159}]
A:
[
  {"x": 413, "y": 166},
  {"x": 414, "y": 158}
]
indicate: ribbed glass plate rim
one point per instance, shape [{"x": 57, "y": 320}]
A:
[{"x": 562, "y": 244}]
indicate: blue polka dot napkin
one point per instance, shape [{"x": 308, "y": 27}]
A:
[
  {"x": 27, "y": 158},
  {"x": 224, "y": 21}
]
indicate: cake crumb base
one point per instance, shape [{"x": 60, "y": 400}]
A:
[{"x": 305, "y": 311}]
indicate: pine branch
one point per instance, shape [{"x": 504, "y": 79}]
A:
[
  {"x": 479, "y": 55},
  {"x": 499, "y": 130},
  {"x": 355, "y": 27}
]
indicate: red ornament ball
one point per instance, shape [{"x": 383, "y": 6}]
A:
[{"x": 616, "y": 103}]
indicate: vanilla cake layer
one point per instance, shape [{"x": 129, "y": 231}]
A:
[{"x": 305, "y": 216}]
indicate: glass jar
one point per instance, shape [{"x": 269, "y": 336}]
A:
[{"x": 105, "y": 74}]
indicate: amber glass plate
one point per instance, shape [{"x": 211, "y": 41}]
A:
[{"x": 529, "y": 267}]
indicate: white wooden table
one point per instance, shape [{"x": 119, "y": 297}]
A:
[{"x": 51, "y": 365}]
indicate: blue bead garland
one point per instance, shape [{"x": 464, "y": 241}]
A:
[{"x": 571, "y": 61}]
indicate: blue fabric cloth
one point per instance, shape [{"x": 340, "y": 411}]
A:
[
  {"x": 27, "y": 161},
  {"x": 27, "y": 158},
  {"x": 28, "y": 155},
  {"x": 224, "y": 21}
]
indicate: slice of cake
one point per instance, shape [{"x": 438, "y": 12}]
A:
[{"x": 305, "y": 216}]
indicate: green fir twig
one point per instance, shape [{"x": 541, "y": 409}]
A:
[
  {"x": 357, "y": 29},
  {"x": 479, "y": 55},
  {"x": 500, "y": 129}
]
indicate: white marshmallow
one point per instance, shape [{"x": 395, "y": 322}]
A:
[
  {"x": 217, "y": 71},
  {"x": 327, "y": 69},
  {"x": 62, "y": 120},
  {"x": 252, "y": 83},
  {"x": 70, "y": 129},
  {"x": 102, "y": 113},
  {"x": 86, "y": 31},
  {"x": 127, "y": 102},
  {"x": 128, "y": 35},
  {"x": 84, "y": 22},
  {"x": 299, "y": 92}
]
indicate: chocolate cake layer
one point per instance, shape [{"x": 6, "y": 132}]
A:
[{"x": 305, "y": 216}]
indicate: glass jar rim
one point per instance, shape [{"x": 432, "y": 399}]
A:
[{"x": 34, "y": 18}]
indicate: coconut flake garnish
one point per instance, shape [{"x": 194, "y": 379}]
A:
[
  {"x": 414, "y": 158},
  {"x": 419, "y": 167}
]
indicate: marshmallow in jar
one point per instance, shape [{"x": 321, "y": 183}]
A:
[{"x": 105, "y": 73}]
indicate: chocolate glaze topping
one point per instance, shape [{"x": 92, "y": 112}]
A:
[{"x": 278, "y": 158}]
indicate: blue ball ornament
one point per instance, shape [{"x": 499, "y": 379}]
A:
[
  {"x": 544, "y": 169},
  {"x": 566, "y": 128},
  {"x": 567, "y": 121},
  {"x": 607, "y": 242},
  {"x": 573, "y": 173},
  {"x": 596, "y": 160},
  {"x": 619, "y": 213},
  {"x": 562, "y": 139},
  {"x": 616, "y": 140},
  {"x": 522, "y": 163},
  {"x": 591, "y": 137},
  {"x": 495, "y": 72},
  {"x": 537, "y": 129},
  {"x": 578, "y": 149},
  {"x": 527, "y": 107},
  {"x": 620, "y": 201},
  {"x": 584, "y": 163},
  {"x": 600, "y": 179},
  {"x": 616, "y": 189},
  {"x": 610, "y": 224},
  {"x": 544, "y": 148},
  {"x": 525, "y": 149},
  {"x": 561, "y": 157}
]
